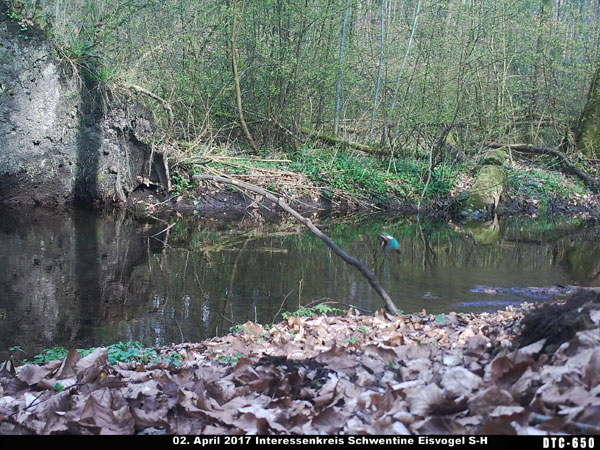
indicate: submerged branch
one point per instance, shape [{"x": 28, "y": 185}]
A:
[{"x": 390, "y": 306}]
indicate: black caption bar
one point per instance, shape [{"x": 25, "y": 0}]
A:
[{"x": 398, "y": 442}]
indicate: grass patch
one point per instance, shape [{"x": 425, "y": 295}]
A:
[{"x": 375, "y": 177}]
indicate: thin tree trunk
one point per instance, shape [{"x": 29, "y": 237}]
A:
[
  {"x": 410, "y": 40},
  {"x": 379, "y": 70},
  {"x": 238, "y": 91},
  {"x": 338, "y": 89}
]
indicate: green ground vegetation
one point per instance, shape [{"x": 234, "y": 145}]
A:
[
  {"x": 336, "y": 173},
  {"x": 118, "y": 352},
  {"x": 545, "y": 185}
]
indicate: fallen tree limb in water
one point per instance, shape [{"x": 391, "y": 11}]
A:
[
  {"x": 549, "y": 151},
  {"x": 390, "y": 306}
]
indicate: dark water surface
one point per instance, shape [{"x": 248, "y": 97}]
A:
[{"x": 87, "y": 278}]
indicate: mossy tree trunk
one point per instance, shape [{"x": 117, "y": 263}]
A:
[{"x": 588, "y": 132}]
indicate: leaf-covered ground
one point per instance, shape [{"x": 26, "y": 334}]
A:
[{"x": 350, "y": 374}]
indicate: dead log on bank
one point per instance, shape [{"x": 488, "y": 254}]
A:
[
  {"x": 390, "y": 306},
  {"x": 595, "y": 183},
  {"x": 336, "y": 141}
]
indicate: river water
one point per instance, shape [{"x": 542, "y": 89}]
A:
[{"x": 90, "y": 278}]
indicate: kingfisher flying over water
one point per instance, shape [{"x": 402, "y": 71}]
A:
[{"x": 389, "y": 243}]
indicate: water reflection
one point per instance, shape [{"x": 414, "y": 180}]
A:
[
  {"x": 63, "y": 277},
  {"x": 87, "y": 279}
]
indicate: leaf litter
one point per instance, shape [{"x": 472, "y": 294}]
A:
[{"x": 515, "y": 371}]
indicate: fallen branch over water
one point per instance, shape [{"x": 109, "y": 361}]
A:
[{"x": 390, "y": 306}]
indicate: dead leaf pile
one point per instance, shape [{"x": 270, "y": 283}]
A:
[{"x": 350, "y": 374}]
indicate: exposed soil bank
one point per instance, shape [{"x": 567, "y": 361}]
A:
[
  {"x": 216, "y": 201},
  {"x": 62, "y": 138}
]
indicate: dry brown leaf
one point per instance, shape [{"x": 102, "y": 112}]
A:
[
  {"x": 551, "y": 395},
  {"x": 407, "y": 386},
  {"x": 49, "y": 383},
  {"x": 485, "y": 400},
  {"x": 592, "y": 371},
  {"x": 533, "y": 349},
  {"x": 590, "y": 415},
  {"x": 146, "y": 389},
  {"x": 579, "y": 396},
  {"x": 477, "y": 344},
  {"x": 382, "y": 351},
  {"x": 56, "y": 423},
  {"x": 365, "y": 378},
  {"x": 327, "y": 392},
  {"x": 525, "y": 387},
  {"x": 253, "y": 329},
  {"x": 417, "y": 369},
  {"x": 437, "y": 425},
  {"x": 145, "y": 419},
  {"x": 8, "y": 369},
  {"x": 388, "y": 426},
  {"x": 588, "y": 339},
  {"x": 91, "y": 366},
  {"x": 423, "y": 401},
  {"x": 498, "y": 426},
  {"x": 506, "y": 411},
  {"x": 459, "y": 381},
  {"x": 269, "y": 415},
  {"x": 67, "y": 367},
  {"x": 506, "y": 369},
  {"x": 32, "y": 374},
  {"x": 132, "y": 375},
  {"x": 327, "y": 422},
  {"x": 337, "y": 359},
  {"x": 15, "y": 386},
  {"x": 469, "y": 420},
  {"x": 98, "y": 414},
  {"x": 452, "y": 360}
]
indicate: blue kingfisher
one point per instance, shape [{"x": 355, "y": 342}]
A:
[{"x": 389, "y": 243}]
